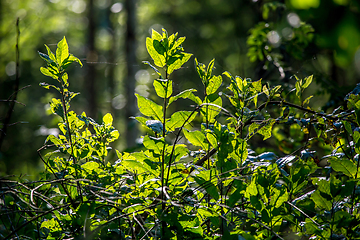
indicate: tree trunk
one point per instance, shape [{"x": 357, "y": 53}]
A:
[
  {"x": 130, "y": 45},
  {"x": 90, "y": 80}
]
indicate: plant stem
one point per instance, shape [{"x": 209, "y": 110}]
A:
[
  {"x": 163, "y": 204},
  {"x": 69, "y": 133}
]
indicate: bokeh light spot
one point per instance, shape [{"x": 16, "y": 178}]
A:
[
  {"x": 274, "y": 38},
  {"x": 78, "y": 6},
  {"x": 116, "y": 7},
  {"x": 287, "y": 33},
  {"x": 10, "y": 68},
  {"x": 142, "y": 77},
  {"x": 293, "y": 20},
  {"x": 142, "y": 90},
  {"x": 119, "y": 102}
]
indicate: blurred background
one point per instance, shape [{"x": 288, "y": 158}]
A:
[{"x": 272, "y": 40}]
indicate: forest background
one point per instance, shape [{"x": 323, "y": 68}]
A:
[{"x": 108, "y": 37}]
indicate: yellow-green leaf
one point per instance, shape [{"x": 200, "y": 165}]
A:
[{"x": 62, "y": 51}]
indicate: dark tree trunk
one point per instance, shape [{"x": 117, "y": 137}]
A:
[
  {"x": 90, "y": 80},
  {"x": 129, "y": 87}
]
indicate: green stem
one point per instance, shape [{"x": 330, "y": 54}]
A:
[
  {"x": 69, "y": 133},
  {"x": 163, "y": 205}
]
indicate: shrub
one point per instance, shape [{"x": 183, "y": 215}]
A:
[{"x": 196, "y": 176}]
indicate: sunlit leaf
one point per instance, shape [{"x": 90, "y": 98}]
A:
[
  {"x": 62, "y": 51},
  {"x": 159, "y": 60},
  {"x": 47, "y": 72},
  {"x": 343, "y": 165},
  {"x": 163, "y": 88},
  {"x": 186, "y": 94},
  {"x": 213, "y": 84},
  {"x": 196, "y": 138},
  {"x": 108, "y": 119},
  {"x": 307, "y": 82},
  {"x": 149, "y": 108},
  {"x": 178, "y": 119},
  {"x": 320, "y": 201},
  {"x": 176, "y": 61}
]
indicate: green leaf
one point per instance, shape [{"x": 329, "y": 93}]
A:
[
  {"x": 200, "y": 68},
  {"x": 160, "y": 49},
  {"x": 51, "y": 54},
  {"x": 46, "y": 58},
  {"x": 108, "y": 119},
  {"x": 178, "y": 43},
  {"x": 210, "y": 69},
  {"x": 186, "y": 94},
  {"x": 207, "y": 212},
  {"x": 149, "y": 108},
  {"x": 237, "y": 194},
  {"x": 156, "y": 145},
  {"x": 114, "y": 134},
  {"x": 257, "y": 203},
  {"x": 343, "y": 165},
  {"x": 47, "y": 72},
  {"x": 62, "y": 51},
  {"x": 298, "y": 87},
  {"x": 241, "y": 151},
  {"x": 90, "y": 166},
  {"x": 267, "y": 129},
  {"x": 213, "y": 85},
  {"x": 257, "y": 85},
  {"x": 139, "y": 167},
  {"x": 155, "y": 35},
  {"x": 47, "y": 86},
  {"x": 307, "y": 100},
  {"x": 51, "y": 224},
  {"x": 266, "y": 90},
  {"x": 70, "y": 60},
  {"x": 54, "y": 140},
  {"x": 251, "y": 189},
  {"x": 204, "y": 179},
  {"x": 56, "y": 107},
  {"x": 176, "y": 61},
  {"x": 265, "y": 216},
  {"x": 212, "y": 139},
  {"x": 213, "y": 109},
  {"x": 159, "y": 60},
  {"x": 196, "y": 138},
  {"x": 320, "y": 201},
  {"x": 308, "y": 81},
  {"x": 263, "y": 129},
  {"x": 178, "y": 119},
  {"x": 163, "y": 88},
  {"x": 348, "y": 127},
  {"x": 279, "y": 197}
]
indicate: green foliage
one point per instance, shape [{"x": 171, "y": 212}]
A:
[{"x": 194, "y": 177}]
